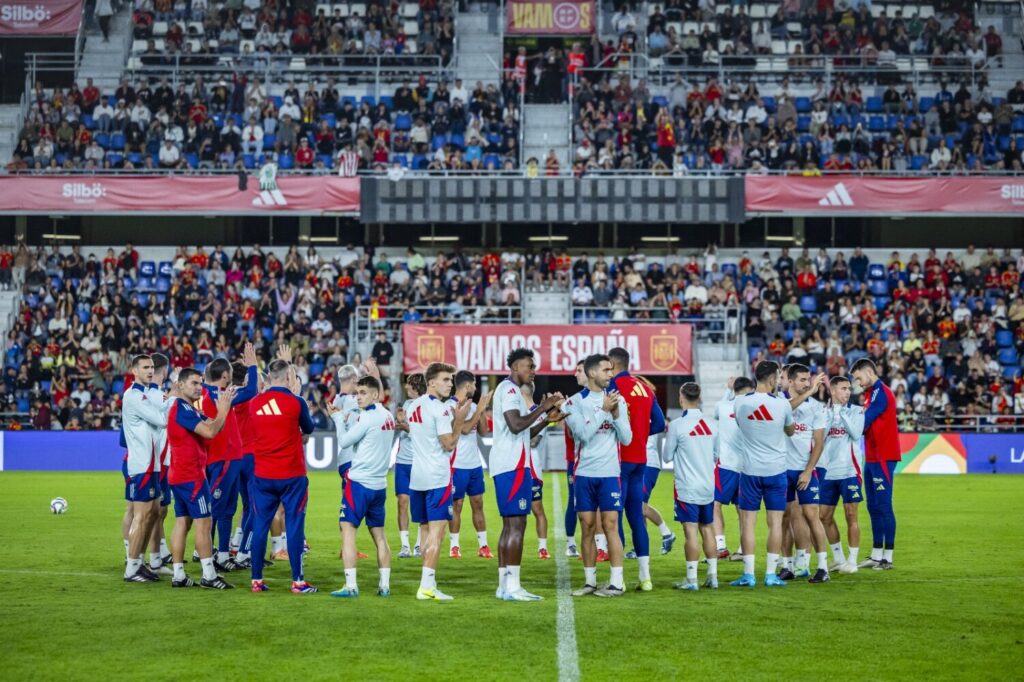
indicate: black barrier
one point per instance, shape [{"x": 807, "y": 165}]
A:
[{"x": 655, "y": 199}]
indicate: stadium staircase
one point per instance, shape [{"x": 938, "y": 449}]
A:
[
  {"x": 10, "y": 302},
  {"x": 10, "y": 115},
  {"x": 1009, "y": 22},
  {"x": 479, "y": 47},
  {"x": 546, "y": 307},
  {"x": 104, "y": 62},
  {"x": 546, "y": 127},
  {"x": 714, "y": 363}
]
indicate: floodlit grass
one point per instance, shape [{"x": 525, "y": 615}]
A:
[{"x": 952, "y": 608}]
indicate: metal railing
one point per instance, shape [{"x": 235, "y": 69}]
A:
[
  {"x": 968, "y": 423},
  {"x": 718, "y": 324}
]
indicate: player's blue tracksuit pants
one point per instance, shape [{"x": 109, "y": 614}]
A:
[
  {"x": 267, "y": 494},
  {"x": 570, "y": 505},
  {"x": 879, "y": 477},
  {"x": 633, "y": 505},
  {"x": 245, "y": 477}
]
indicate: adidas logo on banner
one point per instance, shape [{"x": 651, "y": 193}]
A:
[
  {"x": 837, "y": 196},
  {"x": 270, "y": 198},
  {"x": 270, "y": 409},
  {"x": 761, "y": 414}
]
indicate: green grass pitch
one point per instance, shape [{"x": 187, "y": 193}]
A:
[{"x": 952, "y": 609}]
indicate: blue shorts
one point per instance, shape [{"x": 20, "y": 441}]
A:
[
  {"x": 468, "y": 482},
  {"x": 695, "y": 513},
  {"x": 431, "y": 505},
  {"x": 144, "y": 487},
  {"x": 127, "y": 479},
  {"x": 604, "y": 493},
  {"x": 342, "y": 470},
  {"x": 514, "y": 492},
  {"x": 727, "y": 486},
  {"x": 849, "y": 489},
  {"x": 360, "y": 502},
  {"x": 192, "y": 500},
  {"x": 165, "y": 488},
  {"x": 772, "y": 489},
  {"x": 223, "y": 478},
  {"x": 650, "y": 480},
  {"x": 402, "y": 474},
  {"x": 809, "y": 495},
  {"x": 536, "y": 489}
]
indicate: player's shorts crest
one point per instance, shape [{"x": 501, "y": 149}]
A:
[
  {"x": 522, "y": 505},
  {"x": 216, "y": 494},
  {"x": 451, "y": 509},
  {"x": 152, "y": 492}
]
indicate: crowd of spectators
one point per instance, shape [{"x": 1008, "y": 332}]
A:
[
  {"x": 238, "y": 125},
  {"x": 82, "y": 318}
]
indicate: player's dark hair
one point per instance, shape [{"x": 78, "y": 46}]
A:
[
  {"x": 518, "y": 354},
  {"x": 369, "y": 382},
  {"x": 463, "y": 377},
  {"x": 619, "y": 357},
  {"x": 838, "y": 380},
  {"x": 216, "y": 370},
  {"x": 765, "y": 370},
  {"x": 139, "y": 358},
  {"x": 418, "y": 383},
  {"x": 579, "y": 364},
  {"x": 864, "y": 363},
  {"x": 238, "y": 373},
  {"x": 742, "y": 384},
  {"x": 159, "y": 361},
  {"x": 277, "y": 369},
  {"x": 187, "y": 373},
  {"x": 593, "y": 361},
  {"x": 795, "y": 369},
  {"x": 436, "y": 368},
  {"x": 691, "y": 391}
]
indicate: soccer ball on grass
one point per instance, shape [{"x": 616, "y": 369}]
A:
[{"x": 58, "y": 505}]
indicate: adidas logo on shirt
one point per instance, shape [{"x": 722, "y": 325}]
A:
[
  {"x": 761, "y": 414},
  {"x": 270, "y": 409},
  {"x": 701, "y": 429},
  {"x": 417, "y": 416}
]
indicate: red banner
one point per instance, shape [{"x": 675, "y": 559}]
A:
[
  {"x": 653, "y": 348},
  {"x": 860, "y": 195},
  {"x": 556, "y": 17},
  {"x": 39, "y": 17},
  {"x": 196, "y": 194}
]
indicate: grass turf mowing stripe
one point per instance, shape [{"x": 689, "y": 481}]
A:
[{"x": 565, "y": 628}]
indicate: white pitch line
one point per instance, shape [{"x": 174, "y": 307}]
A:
[{"x": 565, "y": 624}]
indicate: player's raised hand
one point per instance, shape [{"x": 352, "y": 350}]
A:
[
  {"x": 485, "y": 400},
  {"x": 249, "y": 355},
  {"x": 224, "y": 398},
  {"x": 610, "y": 402},
  {"x": 294, "y": 383},
  {"x": 370, "y": 368},
  {"x": 729, "y": 382},
  {"x": 284, "y": 352},
  {"x": 461, "y": 410},
  {"x": 818, "y": 380},
  {"x": 331, "y": 410}
]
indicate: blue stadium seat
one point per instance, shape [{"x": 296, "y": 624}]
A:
[
  {"x": 147, "y": 268},
  {"x": 249, "y": 160},
  {"x": 882, "y": 302},
  {"x": 23, "y": 405},
  {"x": 918, "y": 161},
  {"x": 332, "y": 120},
  {"x": 403, "y": 122},
  {"x": 438, "y": 141},
  {"x": 924, "y": 104},
  {"x": 1018, "y": 124},
  {"x": 769, "y": 104},
  {"x": 808, "y": 304},
  {"x": 327, "y": 159},
  {"x": 316, "y": 369},
  {"x": 803, "y": 123},
  {"x": 729, "y": 269},
  {"x": 388, "y": 101},
  {"x": 128, "y": 282},
  {"x": 1010, "y": 372},
  {"x": 87, "y": 119},
  {"x": 143, "y": 299},
  {"x": 165, "y": 269},
  {"x": 102, "y": 139},
  {"x": 285, "y": 161},
  {"x": 268, "y": 141},
  {"x": 876, "y": 124},
  {"x": 117, "y": 141},
  {"x": 873, "y": 105},
  {"x": 493, "y": 160},
  {"x": 145, "y": 284},
  {"x": 1007, "y": 356},
  {"x": 803, "y": 105},
  {"x": 1004, "y": 338},
  {"x": 117, "y": 386},
  {"x": 163, "y": 285},
  {"x": 419, "y": 162},
  {"x": 876, "y": 271}
]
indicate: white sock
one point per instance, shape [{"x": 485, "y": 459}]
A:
[
  {"x": 403, "y": 535},
  {"x": 644, "y": 565},
  {"x": 502, "y": 575},
  {"x": 179, "y": 571},
  {"x": 236, "y": 539},
  {"x": 209, "y": 573},
  {"x": 570, "y": 543},
  {"x": 154, "y": 561},
  {"x": 837, "y": 553},
  {"x": 748, "y": 564},
  {"x": 664, "y": 529},
  {"x": 787, "y": 562},
  {"x": 854, "y": 551},
  {"x": 887, "y": 555},
  {"x": 543, "y": 543},
  {"x": 419, "y": 535},
  {"x": 720, "y": 542},
  {"x": 803, "y": 559},
  {"x": 601, "y": 541},
  {"x": 126, "y": 549},
  {"x": 691, "y": 571},
  {"x": 132, "y": 567},
  {"x": 455, "y": 540},
  {"x": 876, "y": 553},
  {"x": 427, "y": 579},
  {"x": 481, "y": 538},
  {"x": 713, "y": 568},
  {"x": 385, "y": 579},
  {"x": 284, "y": 540},
  {"x": 164, "y": 551},
  {"x": 590, "y": 576},
  {"x": 275, "y": 543},
  {"x": 222, "y": 557},
  {"x": 350, "y": 578},
  {"x": 242, "y": 556},
  {"x": 823, "y": 561},
  {"x": 773, "y": 563},
  {"x": 617, "y": 578},
  {"x": 512, "y": 579}
]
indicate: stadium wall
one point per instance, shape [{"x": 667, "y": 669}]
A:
[{"x": 924, "y": 453}]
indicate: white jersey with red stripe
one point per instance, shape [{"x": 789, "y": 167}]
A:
[
  {"x": 690, "y": 446},
  {"x": 343, "y": 421},
  {"x": 404, "y": 444},
  {"x": 730, "y": 448},
  {"x": 599, "y": 435},
  {"x": 143, "y": 416},
  {"x": 371, "y": 436},
  {"x": 809, "y": 416},
  {"x": 429, "y": 419},
  {"x": 348, "y": 164},
  {"x": 842, "y": 456},
  {"x": 761, "y": 419},
  {"x": 467, "y": 451},
  {"x": 509, "y": 451}
]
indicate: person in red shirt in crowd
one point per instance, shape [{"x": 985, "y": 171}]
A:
[
  {"x": 281, "y": 422},
  {"x": 806, "y": 281},
  {"x": 187, "y": 433},
  {"x": 6, "y": 265},
  {"x": 304, "y": 154},
  {"x": 199, "y": 258},
  {"x": 712, "y": 92},
  {"x": 932, "y": 260},
  {"x": 876, "y": 346},
  {"x": 993, "y": 281},
  {"x": 947, "y": 327},
  {"x": 90, "y": 97},
  {"x": 1011, "y": 278}
]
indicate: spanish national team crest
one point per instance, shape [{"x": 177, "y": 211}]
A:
[
  {"x": 429, "y": 349},
  {"x": 522, "y": 505},
  {"x": 216, "y": 494},
  {"x": 664, "y": 351}
]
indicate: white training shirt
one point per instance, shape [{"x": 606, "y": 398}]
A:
[
  {"x": 343, "y": 421},
  {"x": 599, "y": 436},
  {"x": 761, "y": 419},
  {"x": 690, "y": 446},
  {"x": 467, "y": 451},
  {"x": 143, "y": 415},
  {"x": 370, "y": 436},
  {"x": 842, "y": 457},
  {"x": 730, "y": 446},
  {"x": 809, "y": 416},
  {"x": 509, "y": 451},
  {"x": 404, "y": 455},
  {"x": 429, "y": 419},
  {"x": 654, "y": 451}
]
